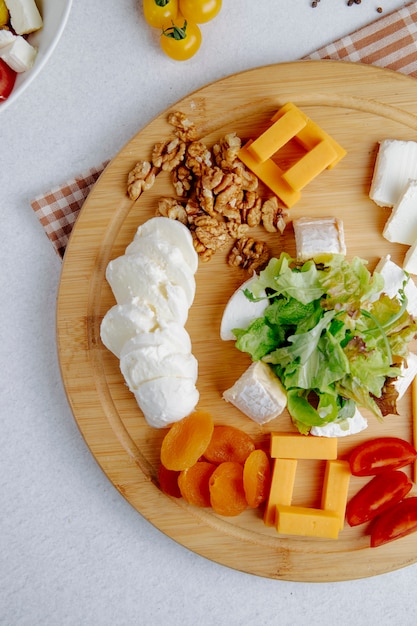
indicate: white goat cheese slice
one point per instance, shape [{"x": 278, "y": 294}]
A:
[
  {"x": 410, "y": 259},
  {"x": 395, "y": 165},
  {"x": 394, "y": 277},
  {"x": 409, "y": 371},
  {"x": 240, "y": 312},
  {"x": 401, "y": 226},
  {"x": 258, "y": 393},
  {"x": 166, "y": 400},
  {"x": 24, "y": 16},
  {"x": 19, "y": 54},
  {"x": 349, "y": 426},
  {"x": 320, "y": 235}
]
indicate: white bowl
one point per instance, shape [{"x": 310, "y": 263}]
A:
[{"x": 55, "y": 15}]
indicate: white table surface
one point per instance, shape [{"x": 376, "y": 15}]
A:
[{"x": 72, "y": 550}]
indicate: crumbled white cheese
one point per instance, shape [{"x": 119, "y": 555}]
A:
[
  {"x": 316, "y": 236},
  {"x": 258, "y": 393}
]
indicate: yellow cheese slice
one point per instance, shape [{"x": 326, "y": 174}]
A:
[
  {"x": 310, "y": 165},
  {"x": 298, "y": 520},
  {"x": 277, "y": 135},
  {"x": 294, "y": 446},
  {"x": 282, "y": 485},
  {"x": 335, "y": 488},
  {"x": 271, "y": 175}
]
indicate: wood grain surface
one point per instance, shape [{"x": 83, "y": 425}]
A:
[{"x": 358, "y": 105}]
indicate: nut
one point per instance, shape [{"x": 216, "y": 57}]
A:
[
  {"x": 210, "y": 232},
  {"x": 226, "y": 151},
  {"x": 170, "y": 207},
  {"x": 184, "y": 128},
  {"x": 198, "y": 157},
  {"x": 140, "y": 178},
  {"x": 248, "y": 254},
  {"x": 273, "y": 218},
  {"x": 168, "y": 154},
  {"x": 250, "y": 209},
  {"x": 182, "y": 180}
]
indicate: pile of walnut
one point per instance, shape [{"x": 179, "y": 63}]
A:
[{"x": 218, "y": 198}]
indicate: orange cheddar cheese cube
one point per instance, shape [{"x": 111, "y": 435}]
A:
[
  {"x": 271, "y": 175},
  {"x": 277, "y": 135},
  {"x": 298, "y": 520},
  {"x": 289, "y": 123},
  {"x": 335, "y": 488},
  {"x": 294, "y": 446},
  {"x": 281, "y": 489},
  {"x": 310, "y": 166},
  {"x": 311, "y": 134}
]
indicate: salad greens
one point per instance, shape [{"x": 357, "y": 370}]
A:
[{"x": 330, "y": 335}]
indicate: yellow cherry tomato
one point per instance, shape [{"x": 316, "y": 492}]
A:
[
  {"x": 200, "y": 11},
  {"x": 4, "y": 13},
  {"x": 181, "y": 40},
  {"x": 159, "y": 12}
]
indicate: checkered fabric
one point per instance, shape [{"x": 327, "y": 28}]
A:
[{"x": 390, "y": 42}]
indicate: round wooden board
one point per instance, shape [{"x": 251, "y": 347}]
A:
[{"x": 358, "y": 105}]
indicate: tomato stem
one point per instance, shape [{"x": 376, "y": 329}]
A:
[
  {"x": 176, "y": 32},
  {"x": 162, "y": 3}
]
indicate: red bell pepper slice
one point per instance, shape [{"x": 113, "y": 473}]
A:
[
  {"x": 398, "y": 521},
  {"x": 377, "y": 455},
  {"x": 378, "y": 495}
]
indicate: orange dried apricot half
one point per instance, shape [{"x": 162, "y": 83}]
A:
[
  {"x": 256, "y": 478},
  {"x": 227, "y": 495},
  {"x": 193, "y": 483},
  {"x": 229, "y": 444},
  {"x": 186, "y": 441}
]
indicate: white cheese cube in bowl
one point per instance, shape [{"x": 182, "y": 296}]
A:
[
  {"x": 401, "y": 226},
  {"x": 258, "y": 393},
  {"x": 318, "y": 235},
  {"x": 395, "y": 165},
  {"x": 19, "y": 54}
]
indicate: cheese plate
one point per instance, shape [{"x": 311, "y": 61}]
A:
[{"x": 358, "y": 106}]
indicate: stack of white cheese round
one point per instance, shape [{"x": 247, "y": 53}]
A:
[{"x": 154, "y": 287}]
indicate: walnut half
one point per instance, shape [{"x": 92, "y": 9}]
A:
[
  {"x": 248, "y": 254},
  {"x": 140, "y": 178}
]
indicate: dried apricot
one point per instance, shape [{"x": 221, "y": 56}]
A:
[
  {"x": 256, "y": 478},
  {"x": 168, "y": 481},
  {"x": 227, "y": 496},
  {"x": 229, "y": 444},
  {"x": 193, "y": 483},
  {"x": 186, "y": 441}
]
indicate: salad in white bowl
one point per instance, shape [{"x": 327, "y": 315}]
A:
[{"x": 29, "y": 33}]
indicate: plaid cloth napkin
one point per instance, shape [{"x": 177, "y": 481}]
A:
[{"x": 390, "y": 42}]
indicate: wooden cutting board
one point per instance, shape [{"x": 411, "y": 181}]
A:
[{"x": 358, "y": 105}]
